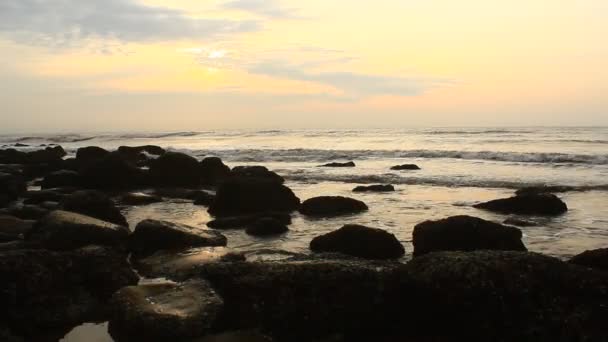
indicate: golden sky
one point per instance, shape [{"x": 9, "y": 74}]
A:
[{"x": 112, "y": 65}]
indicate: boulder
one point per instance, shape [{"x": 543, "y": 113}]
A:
[
  {"x": 532, "y": 204},
  {"x": 255, "y": 173},
  {"x": 48, "y": 195},
  {"x": 94, "y": 204},
  {"x": 328, "y": 206},
  {"x": 175, "y": 169},
  {"x": 405, "y": 167},
  {"x": 13, "y": 228},
  {"x": 48, "y": 155},
  {"x": 213, "y": 171},
  {"x": 165, "y": 311},
  {"x": 151, "y": 236},
  {"x": 61, "y": 178},
  {"x": 596, "y": 258},
  {"x": 26, "y": 211},
  {"x": 266, "y": 226},
  {"x": 139, "y": 198},
  {"x": 112, "y": 172},
  {"x": 347, "y": 164},
  {"x": 359, "y": 241},
  {"x": 236, "y": 222},
  {"x": 90, "y": 154},
  {"x": 63, "y": 230},
  {"x": 12, "y": 186},
  {"x": 375, "y": 188},
  {"x": 204, "y": 198},
  {"x": 465, "y": 233},
  {"x": 149, "y": 149},
  {"x": 237, "y": 197}
]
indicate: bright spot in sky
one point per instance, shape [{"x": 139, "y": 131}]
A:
[{"x": 216, "y": 54}]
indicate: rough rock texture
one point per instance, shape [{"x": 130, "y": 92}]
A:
[
  {"x": 251, "y": 196},
  {"x": 139, "y": 198},
  {"x": 237, "y": 222},
  {"x": 112, "y": 172},
  {"x": 359, "y": 241},
  {"x": 94, "y": 204},
  {"x": 151, "y": 236},
  {"x": 175, "y": 169},
  {"x": 375, "y": 188},
  {"x": 165, "y": 310},
  {"x": 405, "y": 167},
  {"x": 327, "y": 206},
  {"x": 61, "y": 178},
  {"x": 531, "y": 204},
  {"x": 63, "y": 230},
  {"x": 213, "y": 171},
  {"x": 255, "y": 173},
  {"x": 465, "y": 233},
  {"x": 347, "y": 164},
  {"x": 597, "y": 259},
  {"x": 266, "y": 226}
]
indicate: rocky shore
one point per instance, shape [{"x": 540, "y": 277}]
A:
[{"x": 68, "y": 256}]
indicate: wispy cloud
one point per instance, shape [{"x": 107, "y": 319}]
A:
[
  {"x": 266, "y": 8},
  {"x": 61, "y": 22}
]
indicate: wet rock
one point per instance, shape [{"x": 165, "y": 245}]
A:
[
  {"x": 405, "y": 167},
  {"x": 176, "y": 169},
  {"x": 90, "y": 154},
  {"x": 48, "y": 155},
  {"x": 151, "y": 236},
  {"x": 213, "y": 171},
  {"x": 266, "y": 226},
  {"x": 328, "y": 206},
  {"x": 255, "y": 173},
  {"x": 359, "y": 241},
  {"x": 45, "y": 290},
  {"x": 465, "y": 233},
  {"x": 94, "y": 204},
  {"x": 26, "y": 212},
  {"x": 61, "y": 178},
  {"x": 112, "y": 172},
  {"x": 236, "y": 222},
  {"x": 165, "y": 310},
  {"x": 251, "y": 196},
  {"x": 375, "y": 188},
  {"x": 597, "y": 259},
  {"x": 12, "y": 186},
  {"x": 513, "y": 221},
  {"x": 13, "y": 228},
  {"x": 139, "y": 198},
  {"x": 204, "y": 198},
  {"x": 37, "y": 197},
  {"x": 347, "y": 164},
  {"x": 533, "y": 204},
  {"x": 63, "y": 230}
]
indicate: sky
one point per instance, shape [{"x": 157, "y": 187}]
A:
[{"x": 153, "y": 65}]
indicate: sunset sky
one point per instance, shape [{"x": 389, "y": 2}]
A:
[{"x": 124, "y": 65}]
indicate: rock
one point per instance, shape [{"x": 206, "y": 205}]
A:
[
  {"x": 112, "y": 172},
  {"x": 359, "y": 241},
  {"x": 513, "y": 221},
  {"x": 63, "y": 230},
  {"x": 26, "y": 212},
  {"x": 235, "y": 222},
  {"x": 511, "y": 296},
  {"x": 204, "y": 198},
  {"x": 177, "y": 193},
  {"x": 183, "y": 265},
  {"x": 44, "y": 290},
  {"x": 405, "y": 167},
  {"x": 61, "y": 178},
  {"x": 375, "y": 188},
  {"x": 48, "y": 155},
  {"x": 175, "y": 169},
  {"x": 165, "y": 311},
  {"x": 266, "y": 226},
  {"x": 37, "y": 197},
  {"x": 151, "y": 236},
  {"x": 7, "y": 336},
  {"x": 94, "y": 204},
  {"x": 465, "y": 233},
  {"x": 328, "y": 206},
  {"x": 50, "y": 205},
  {"x": 134, "y": 150},
  {"x": 255, "y": 173},
  {"x": 251, "y": 196},
  {"x": 139, "y": 198},
  {"x": 597, "y": 259},
  {"x": 213, "y": 171},
  {"x": 13, "y": 228},
  {"x": 12, "y": 186},
  {"x": 533, "y": 204},
  {"x": 90, "y": 154},
  {"x": 347, "y": 164}
]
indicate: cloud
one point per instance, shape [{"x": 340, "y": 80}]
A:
[
  {"x": 266, "y": 8},
  {"x": 61, "y": 22}
]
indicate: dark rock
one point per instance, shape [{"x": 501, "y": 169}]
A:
[
  {"x": 597, "y": 259},
  {"x": 251, "y": 196},
  {"x": 21, "y": 145},
  {"x": 151, "y": 236},
  {"x": 347, "y": 164},
  {"x": 43, "y": 290},
  {"x": 255, "y": 173},
  {"x": 213, "y": 171},
  {"x": 533, "y": 204},
  {"x": 519, "y": 222},
  {"x": 405, "y": 167},
  {"x": 134, "y": 150},
  {"x": 204, "y": 198},
  {"x": 13, "y": 228},
  {"x": 175, "y": 169},
  {"x": 63, "y": 230},
  {"x": 112, "y": 172},
  {"x": 375, "y": 188},
  {"x": 94, "y": 204},
  {"x": 91, "y": 154},
  {"x": 266, "y": 226},
  {"x": 50, "y": 205},
  {"x": 37, "y": 197},
  {"x": 359, "y": 241},
  {"x": 139, "y": 198},
  {"x": 12, "y": 186},
  {"x": 165, "y": 311},
  {"x": 465, "y": 233},
  {"x": 177, "y": 193},
  {"x": 61, "y": 178},
  {"x": 237, "y": 336},
  {"x": 48, "y": 155},
  {"x": 27, "y": 212},
  {"x": 235, "y": 222},
  {"x": 328, "y": 206},
  {"x": 5, "y": 201}
]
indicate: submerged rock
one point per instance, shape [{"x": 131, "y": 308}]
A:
[
  {"x": 327, "y": 206},
  {"x": 347, "y": 164},
  {"x": 359, "y": 241},
  {"x": 213, "y": 170},
  {"x": 375, "y": 188},
  {"x": 465, "y": 233},
  {"x": 139, "y": 198},
  {"x": 266, "y": 226},
  {"x": 531, "y": 204},
  {"x": 405, "y": 167},
  {"x": 165, "y": 310},
  {"x": 94, "y": 204},
  {"x": 176, "y": 169},
  {"x": 150, "y": 236},
  {"x": 597, "y": 259},
  {"x": 236, "y": 222}
]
